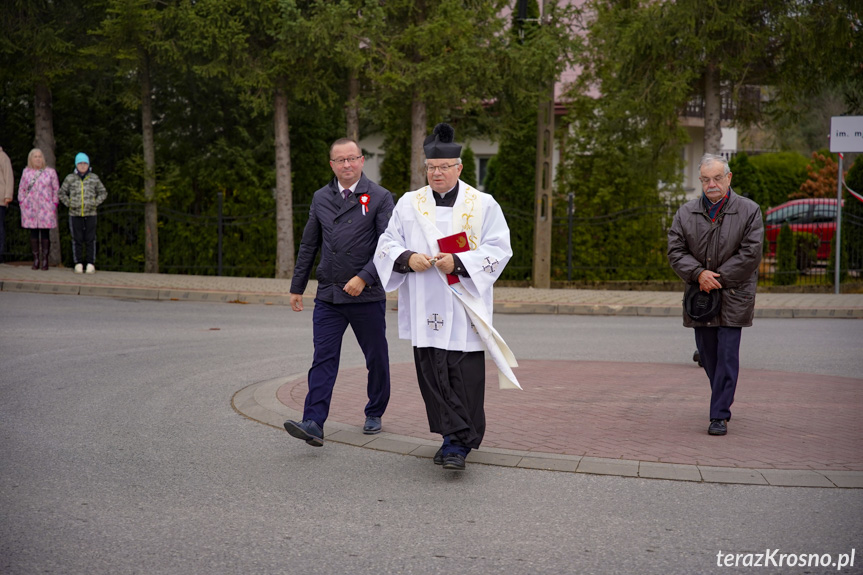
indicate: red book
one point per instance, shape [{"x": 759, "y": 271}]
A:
[{"x": 452, "y": 245}]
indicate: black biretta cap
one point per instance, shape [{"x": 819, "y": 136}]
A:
[{"x": 440, "y": 144}]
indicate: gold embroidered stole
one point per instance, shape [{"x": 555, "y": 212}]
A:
[{"x": 466, "y": 213}]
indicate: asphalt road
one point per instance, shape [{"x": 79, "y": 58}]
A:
[{"x": 120, "y": 453}]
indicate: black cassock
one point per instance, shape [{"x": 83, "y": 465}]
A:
[{"x": 452, "y": 384}]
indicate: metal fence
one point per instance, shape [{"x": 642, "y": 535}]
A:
[
  {"x": 799, "y": 242},
  {"x": 196, "y": 244},
  {"x": 803, "y": 255},
  {"x": 628, "y": 245}
]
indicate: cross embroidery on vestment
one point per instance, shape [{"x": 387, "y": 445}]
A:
[
  {"x": 489, "y": 265},
  {"x": 435, "y": 322}
]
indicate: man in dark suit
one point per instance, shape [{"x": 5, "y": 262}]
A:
[{"x": 345, "y": 220}]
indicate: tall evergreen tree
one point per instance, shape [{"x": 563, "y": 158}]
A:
[
  {"x": 272, "y": 50},
  {"x": 786, "y": 257},
  {"x": 532, "y": 54},
  {"x": 434, "y": 57},
  {"x": 131, "y": 35},
  {"x": 746, "y": 179},
  {"x": 39, "y": 48},
  {"x": 512, "y": 172},
  {"x": 781, "y": 174},
  {"x": 349, "y": 27}
]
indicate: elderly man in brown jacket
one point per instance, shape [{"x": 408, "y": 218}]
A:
[
  {"x": 715, "y": 242},
  {"x": 7, "y": 194}
]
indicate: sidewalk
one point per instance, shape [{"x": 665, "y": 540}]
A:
[
  {"x": 507, "y": 299},
  {"x": 603, "y": 418},
  {"x": 609, "y": 418}
]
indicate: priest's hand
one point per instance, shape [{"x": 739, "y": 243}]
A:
[
  {"x": 420, "y": 262},
  {"x": 297, "y": 302},
  {"x": 445, "y": 263},
  {"x": 355, "y": 286}
]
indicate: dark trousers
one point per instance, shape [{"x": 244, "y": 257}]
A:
[
  {"x": 83, "y": 229},
  {"x": 719, "y": 348},
  {"x": 368, "y": 321},
  {"x": 452, "y": 384},
  {"x": 2, "y": 233}
]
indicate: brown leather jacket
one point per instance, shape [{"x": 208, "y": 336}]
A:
[{"x": 730, "y": 246}]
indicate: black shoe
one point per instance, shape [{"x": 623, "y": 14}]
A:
[
  {"x": 717, "y": 427},
  {"x": 372, "y": 426},
  {"x": 307, "y": 430},
  {"x": 454, "y": 461},
  {"x": 438, "y": 456}
]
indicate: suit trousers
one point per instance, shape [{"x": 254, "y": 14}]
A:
[
  {"x": 330, "y": 321},
  {"x": 719, "y": 348}
]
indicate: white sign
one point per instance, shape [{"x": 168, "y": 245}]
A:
[{"x": 846, "y": 134}]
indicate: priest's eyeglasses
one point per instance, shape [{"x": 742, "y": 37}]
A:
[
  {"x": 714, "y": 179},
  {"x": 442, "y": 169},
  {"x": 349, "y": 160}
]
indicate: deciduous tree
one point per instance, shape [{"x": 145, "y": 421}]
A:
[{"x": 822, "y": 179}]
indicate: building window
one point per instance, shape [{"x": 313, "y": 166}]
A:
[{"x": 483, "y": 171}]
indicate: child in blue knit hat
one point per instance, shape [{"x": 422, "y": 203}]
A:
[{"x": 82, "y": 192}]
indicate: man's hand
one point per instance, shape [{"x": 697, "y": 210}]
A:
[
  {"x": 355, "y": 286},
  {"x": 297, "y": 302},
  {"x": 445, "y": 263},
  {"x": 7, "y": 201},
  {"x": 420, "y": 262},
  {"x": 707, "y": 280}
]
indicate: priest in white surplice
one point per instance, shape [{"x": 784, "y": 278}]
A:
[{"x": 449, "y": 326}]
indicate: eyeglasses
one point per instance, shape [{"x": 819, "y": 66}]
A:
[
  {"x": 442, "y": 169},
  {"x": 715, "y": 179},
  {"x": 350, "y": 160}
]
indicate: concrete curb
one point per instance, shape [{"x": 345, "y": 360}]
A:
[
  {"x": 259, "y": 403},
  {"x": 504, "y": 307}
]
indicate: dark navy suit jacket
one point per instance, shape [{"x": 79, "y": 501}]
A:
[{"x": 347, "y": 240}]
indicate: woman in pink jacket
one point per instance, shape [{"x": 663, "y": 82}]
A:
[{"x": 37, "y": 195}]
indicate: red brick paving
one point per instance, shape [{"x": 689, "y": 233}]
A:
[{"x": 638, "y": 411}]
